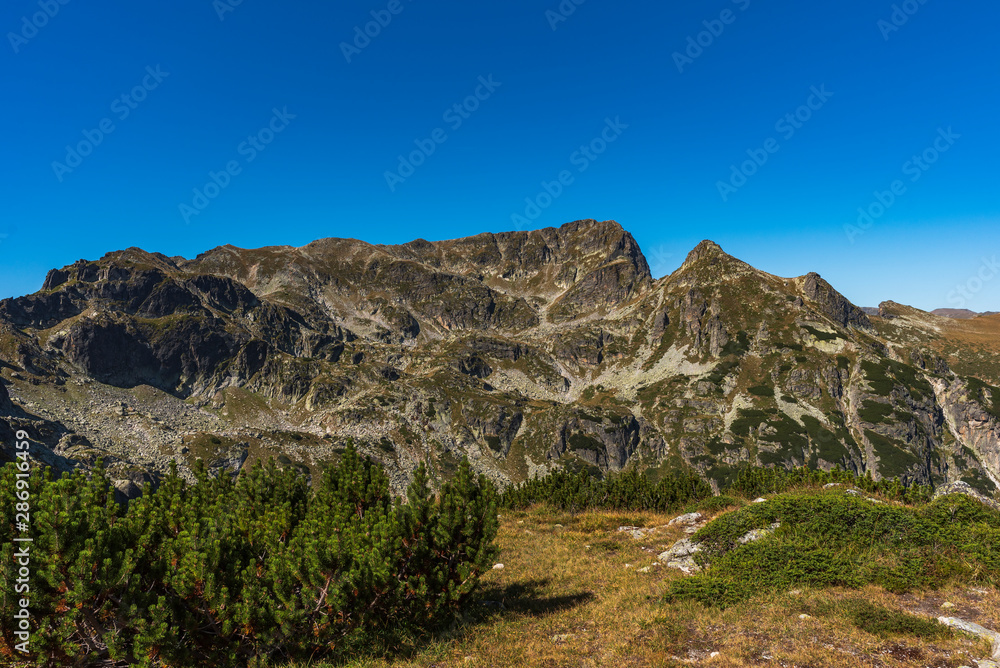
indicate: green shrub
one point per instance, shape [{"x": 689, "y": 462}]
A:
[
  {"x": 738, "y": 346},
  {"x": 828, "y": 445},
  {"x": 788, "y": 433},
  {"x": 885, "y": 377},
  {"x": 752, "y": 481},
  {"x": 580, "y": 441},
  {"x": 875, "y": 412},
  {"x": 717, "y": 446},
  {"x": 834, "y": 539},
  {"x": 222, "y": 572},
  {"x": 748, "y": 419},
  {"x": 627, "y": 491},
  {"x": 723, "y": 369},
  {"x": 878, "y": 380},
  {"x": 820, "y": 335},
  {"x": 894, "y": 457}
]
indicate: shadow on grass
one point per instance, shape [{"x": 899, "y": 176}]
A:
[
  {"x": 524, "y": 598},
  {"x": 490, "y": 605}
]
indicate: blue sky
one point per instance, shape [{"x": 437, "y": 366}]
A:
[{"x": 644, "y": 112}]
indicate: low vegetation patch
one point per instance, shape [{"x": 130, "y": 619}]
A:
[
  {"x": 888, "y": 623},
  {"x": 884, "y": 377},
  {"x": 821, "y": 335},
  {"x": 875, "y": 412},
  {"x": 837, "y": 540}
]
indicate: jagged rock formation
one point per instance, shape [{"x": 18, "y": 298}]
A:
[{"x": 524, "y": 351}]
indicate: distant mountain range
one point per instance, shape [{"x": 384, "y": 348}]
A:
[{"x": 524, "y": 351}]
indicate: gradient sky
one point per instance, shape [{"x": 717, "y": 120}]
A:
[{"x": 895, "y": 90}]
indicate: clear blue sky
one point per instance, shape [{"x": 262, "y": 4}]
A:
[{"x": 324, "y": 173}]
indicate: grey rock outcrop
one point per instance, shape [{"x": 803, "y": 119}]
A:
[
  {"x": 975, "y": 629},
  {"x": 681, "y": 556},
  {"x": 834, "y": 304}
]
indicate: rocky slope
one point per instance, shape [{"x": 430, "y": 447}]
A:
[{"x": 523, "y": 351}]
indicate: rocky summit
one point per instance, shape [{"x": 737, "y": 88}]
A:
[{"x": 523, "y": 351}]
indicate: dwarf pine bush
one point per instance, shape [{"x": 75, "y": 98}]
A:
[
  {"x": 633, "y": 490},
  {"x": 226, "y": 572},
  {"x": 754, "y": 481},
  {"x": 628, "y": 491},
  {"x": 836, "y": 540}
]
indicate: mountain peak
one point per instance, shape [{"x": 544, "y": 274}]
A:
[{"x": 709, "y": 255}]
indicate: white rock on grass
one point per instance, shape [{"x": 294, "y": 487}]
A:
[
  {"x": 635, "y": 532},
  {"x": 757, "y": 534},
  {"x": 976, "y": 630},
  {"x": 689, "y": 518},
  {"x": 681, "y": 556}
]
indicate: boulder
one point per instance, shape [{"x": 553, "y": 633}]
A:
[
  {"x": 757, "y": 534},
  {"x": 975, "y": 629},
  {"x": 689, "y": 518},
  {"x": 681, "y": 556}
]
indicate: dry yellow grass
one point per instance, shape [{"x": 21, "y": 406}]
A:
[
  {"x": 983, "y": 330},
  {"x": 571, "y": 593}
]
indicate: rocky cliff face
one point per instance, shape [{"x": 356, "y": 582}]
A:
[{"x": 523, "y": 351}]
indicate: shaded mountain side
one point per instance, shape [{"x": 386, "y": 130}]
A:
[{"x": 524, "y": 351}]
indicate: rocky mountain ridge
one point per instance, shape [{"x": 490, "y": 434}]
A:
[{"x": 524, "y": 351}]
